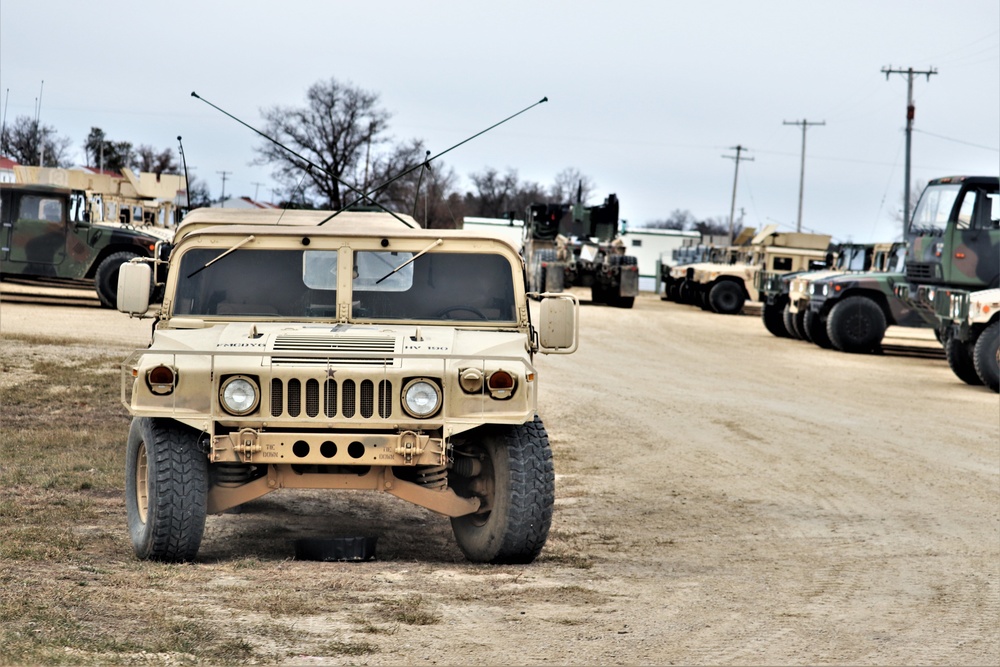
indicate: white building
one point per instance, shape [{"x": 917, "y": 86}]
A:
[{"x": 650, "y": 245}]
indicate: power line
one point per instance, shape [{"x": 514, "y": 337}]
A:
[
  {"x": 909, "y": 72},
  {"x": 222, "y": 199},
  {"x": 735, "y": 158},
  {"x": 802, "y": 171}
]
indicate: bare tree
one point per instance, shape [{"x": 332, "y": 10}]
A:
[
  {"x": 30, "y": 143},
  {"x": 570, "y": 185},
  {"x": 337, "y": 129},
  {"x": 109, "y": 155},
  {"x": 494, "y": 193},
  {"x": 678, "y": 219},
  {"x": 149, "y": 159}
]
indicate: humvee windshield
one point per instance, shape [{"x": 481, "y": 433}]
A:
[{"x": 281, "y": 284}]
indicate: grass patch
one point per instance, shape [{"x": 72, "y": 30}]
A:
[{"x": 408, "y": 611}]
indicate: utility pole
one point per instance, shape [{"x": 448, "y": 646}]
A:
[
  {"x": 736, "y": 158},
  {"x": 256, "y": 190},
  {"x": 802, "y": 169},
  {"x": 909, "y": 72},
  {"x": 222, "y": 199}
]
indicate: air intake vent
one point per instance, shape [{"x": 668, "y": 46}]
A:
[
  {"x": 310, "y": 398},
  {"x": 363, "y": 350}
]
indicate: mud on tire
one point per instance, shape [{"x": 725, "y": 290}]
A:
[
  {"x": 517, "y": 487},
  {"x": 166, "y": 490}
]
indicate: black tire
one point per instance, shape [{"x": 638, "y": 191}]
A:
[
  {"x": 961, "y": 360},
  {"x": 788, "y": 318},
  {"x": 985, "y": 356},
  {"x": 517, "y": 465},
  {"x": 774, "y": 322},
  {"x": 106, "y": 277},
  {"x": 726, "y": 298},
  {"x": 814, "y": 328},
  {"x": 599, "y": 294},
  {"x": 856, "y": 324},
  {"x": 686, "y": 292},
  {"x": 166, "y": 513}
]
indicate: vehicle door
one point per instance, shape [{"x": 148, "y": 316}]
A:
[
  {"x": 970, "y": 252},
  {"x": 36, "y": 231}
]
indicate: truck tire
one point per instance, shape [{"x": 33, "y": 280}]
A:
[
  {"x": 856, "y": 324},
  {"x": 726, "y": 298},
  {"x": 106, "y": 277},
  {"x": 815, "y": 329},
  {"x": 788, "y": 317},
  {"x": 774, "y": 322},
  {"x": 686, "y": 292},
  {"x": 599, "y": 294},
  {"x": 961, "y": 360},
  {"x": 517, "y": 487},
  {"x": 985, "y": 356},
  {"x": 166, "y": 490}
]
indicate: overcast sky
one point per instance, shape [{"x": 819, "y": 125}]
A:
[{"x": 644, "y": 97}]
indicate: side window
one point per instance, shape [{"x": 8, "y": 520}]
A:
[
  {"x": 966, "y": 209},
  {"x": 989, "y": 218},
  {"x": 636, "y": 243},
  {"x": 782, "y": 264},
  {"x": 41, "y": 208}
]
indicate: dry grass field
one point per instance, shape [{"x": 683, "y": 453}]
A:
[{"x": 723, "y": 497}]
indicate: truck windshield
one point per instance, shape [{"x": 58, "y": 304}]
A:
[
  {"x": 934, "y": 208},
  {"x": 282, "y": 284}
]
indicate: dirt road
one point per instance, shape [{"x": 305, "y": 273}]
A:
[{"x": 723, "y": 497}]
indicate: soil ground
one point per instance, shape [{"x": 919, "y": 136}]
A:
[{"x": 723, "y": 497}]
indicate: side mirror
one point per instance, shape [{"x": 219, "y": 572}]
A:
[
  {"x": 559, "y": 328},
  {"x": 134, "y": 282}
]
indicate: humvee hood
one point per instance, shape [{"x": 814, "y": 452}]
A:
[{"x": 342, "y": 339}]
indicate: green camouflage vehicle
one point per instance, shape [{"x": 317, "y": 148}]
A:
[
  {"x": 776, "y": 289},
  {"x": 853, "y": 311},
  {"x": 355, "y": 352},
  {"x": 48, "y": 233},
  {"x": 970, "y": 329},
  {"x": 955, "y": 239}
]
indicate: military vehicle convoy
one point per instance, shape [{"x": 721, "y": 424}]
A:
[
  {"x": 725, "y": 286},
  {"x": 970, "y": 330},
  {"x": 348, "y": 352},
  {"x": 51, "y": 233},
  {"x": 571, "y": 245}
]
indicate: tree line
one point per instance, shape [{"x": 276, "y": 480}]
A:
[{"x": 344, "y": 131}]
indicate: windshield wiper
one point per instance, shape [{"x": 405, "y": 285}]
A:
[
  {"x": 216, "y": 259},
  {"x": 410, "y": 260}
]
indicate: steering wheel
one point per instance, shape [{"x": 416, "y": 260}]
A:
[{"x": 469, "y": 309}]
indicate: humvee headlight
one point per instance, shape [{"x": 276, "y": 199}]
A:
[
  {"x": 421, "y": 398},
  {"x": 239, "y": 395}
]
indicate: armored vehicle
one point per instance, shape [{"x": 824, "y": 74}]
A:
[
  {"x": 852, "y": 311},
  {"x": 348, "y": 352},
  {"x": 576, "y": 246},
  {"x": 726, "y": 287},
  {"x": 779, "y": 290},
  {"x": 49, "y": 233},
  {"x": 970, "y": 331},
  {"x": 683, "y": 256}
]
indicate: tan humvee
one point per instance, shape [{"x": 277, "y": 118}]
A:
[
  {"x": 725, "y": 287},
  {"x": 297, "y": 350}
]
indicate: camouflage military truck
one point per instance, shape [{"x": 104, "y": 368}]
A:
[
  {"x": 353, "y": 352},
  {"x": 852, "y": 311},
  {"x": 777, "y": 290},
  {"x": 48, "y": 233},
  {"x": 970, "y": 331},
  {"x": 726, "y": 287},
  {"x": 576, "y": 246},
  {"x": 955, "y": 239}
]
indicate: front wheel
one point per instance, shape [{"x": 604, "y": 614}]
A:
[
  {"x": 771, "y": 315},
  {"x": 856, "y": 324},
  {"x": 815, "y": 329},
  {"x": 985, "y": 356},
  {"x": 726, "y": 298},
  {"x": 166, "y": 490},
  {"x": 515, "y": 482}
]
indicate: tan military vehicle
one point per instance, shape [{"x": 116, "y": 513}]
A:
[
  {"x": 726, "y": 287},
  {"x": 970, "y": 331},
  {"x": 295, "y": 350}
]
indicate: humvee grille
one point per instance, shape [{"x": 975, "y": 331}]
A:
[
  {"x": 918, "y": 271},
  {"x": 377, "y": 346},
  {"x": 352, "y": 397}
]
